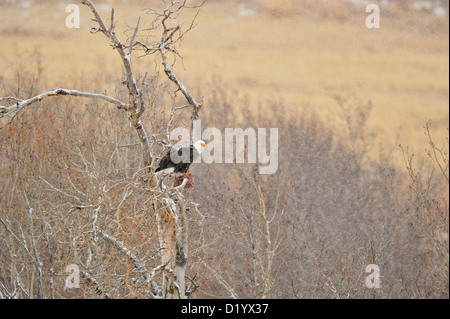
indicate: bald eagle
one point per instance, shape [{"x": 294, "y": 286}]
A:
[{"x": 186, "y": 155}]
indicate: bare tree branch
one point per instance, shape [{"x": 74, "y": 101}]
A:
[{"x": 21, "y": 104}]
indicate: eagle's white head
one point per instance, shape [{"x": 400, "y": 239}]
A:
[{"x": 200, "y": 146}]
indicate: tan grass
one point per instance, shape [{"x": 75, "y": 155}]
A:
[{"x": 301, "y": 53}]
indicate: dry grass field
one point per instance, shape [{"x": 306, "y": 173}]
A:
[{"x": 299, "y": 52}]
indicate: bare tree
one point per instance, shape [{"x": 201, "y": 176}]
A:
[
  {"x": 258, "y": 224},
  {"x": 428, "y": 210},
  {"x": 88, "y": 235}
]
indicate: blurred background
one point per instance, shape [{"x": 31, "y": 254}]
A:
[
  {"x": 302, "y": 53},
  {"x": 345, "y": 194}
]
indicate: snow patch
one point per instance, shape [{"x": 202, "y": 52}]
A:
[
  {"x": 430, "y": 7},
  {"x": 244, "y": 9},
  {"x": 359, "y": 2},
  {"x": 26, "y": 4},
  {"x": 440, "y": 11},
  {"x": 422, "y": 5}
]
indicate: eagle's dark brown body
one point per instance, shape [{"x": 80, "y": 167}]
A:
[{"x": 185, "y": 160}]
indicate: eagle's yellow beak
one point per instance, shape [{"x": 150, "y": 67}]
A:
[{"x": 203, "y": 144}]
